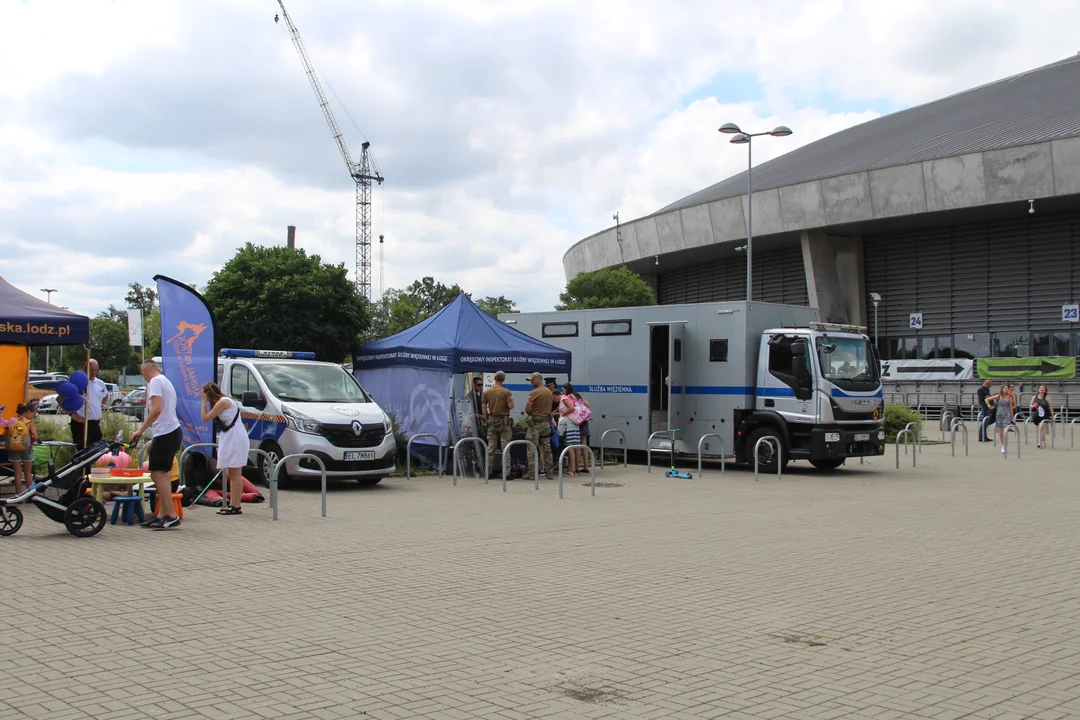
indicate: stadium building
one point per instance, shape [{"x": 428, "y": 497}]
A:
[{"x": 963, "y": 212}]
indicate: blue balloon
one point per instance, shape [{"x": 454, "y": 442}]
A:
[
  {"x": 72, "y": 404},
  {"x": 79, "y": 380},
  {"x": 67, "y": 389}
]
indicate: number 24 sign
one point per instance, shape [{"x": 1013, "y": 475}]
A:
[
  {"x": 915, "y": 321},
  {"x": 1070, "y": 313}
]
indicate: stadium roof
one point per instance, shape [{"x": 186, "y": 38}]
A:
[{"x": 1035, "y": 106}]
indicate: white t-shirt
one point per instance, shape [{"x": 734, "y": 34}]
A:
[
  {"x": 159, "y": 386},
  {"x": 96, "y": 392}
]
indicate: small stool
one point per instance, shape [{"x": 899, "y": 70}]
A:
[
  {"x": 131, "y": 507},
  {"x": 178, "y": 502}
]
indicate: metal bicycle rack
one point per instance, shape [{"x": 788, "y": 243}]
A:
[
  {"x": 770, "y": 440},
  {"x": 277, "y": 472},
  {"x": 1072, "y": 426},
  {"x": 944, "y": 426},
  {"x": 1053, "y": 427},
  {"x": 536, "y": 461},
  {"x": 905, "y": 433},
  {"x": 1027, "y": 421},
  {"x": 592, "y": 466},
  {"x": 408, "y": 454},
  {"x": 1005, "y": 440},
  {"x": 458, "y": 444},
  {"x": 915, "y": 429},
  {"x": 622, "y": 441},
  {"x": 649, "y": 448},
  {"x": 958, "y": 424},
  {"x": 700, "y": 441}
]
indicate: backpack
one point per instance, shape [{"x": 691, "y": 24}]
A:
[
  {"x": 19, "y": 436},
  {"x": 220, "y": 425}
]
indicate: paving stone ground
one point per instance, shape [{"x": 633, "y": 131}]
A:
[{"x": 951, "y": 590}]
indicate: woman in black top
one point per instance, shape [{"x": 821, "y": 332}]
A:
[{"x": 1042, "y": 412}]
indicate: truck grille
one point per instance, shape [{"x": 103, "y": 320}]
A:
[{"x": 343, "y": 435}]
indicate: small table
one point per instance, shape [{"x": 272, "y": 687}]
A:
[{"x": 98, "y": 483}]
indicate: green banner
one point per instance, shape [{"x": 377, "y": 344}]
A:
[{"x": 1011, "y": 368}]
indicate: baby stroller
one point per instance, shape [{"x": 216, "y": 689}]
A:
[{"x": 83, "y": 516}]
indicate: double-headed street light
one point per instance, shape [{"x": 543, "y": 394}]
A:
[{"x": 744, "y": 138}]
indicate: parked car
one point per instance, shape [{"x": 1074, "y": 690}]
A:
[
  {"x": 115, "y": 396},
  {"x": 134, "y": 404},
  {"x": 40, "y": 388},
  {"x": 49, "y": 404}
]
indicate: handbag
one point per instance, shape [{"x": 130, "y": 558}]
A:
[{"x": 580, "y": 414}]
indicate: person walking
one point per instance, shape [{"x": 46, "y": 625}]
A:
[
  {"x": 167, "y": 437},
  {"x": 986, "y": 412},
  {"x": 232, "y": 441},
  {"x": 1042, "y": 412},
  {"x": 496, "y": 404},
  {"x": 86, "y": 422},
  {"x": 538, "y": 431},
  {"x": 1003, "y": 411}
]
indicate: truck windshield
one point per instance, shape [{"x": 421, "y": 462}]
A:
[
  {"x": 846, "y": 359},
  {"x": 311, "y": 382}
]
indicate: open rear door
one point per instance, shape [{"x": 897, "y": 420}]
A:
[{"x": 676, "y": 389}]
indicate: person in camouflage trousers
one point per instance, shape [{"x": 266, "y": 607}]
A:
[
  {"x": 538, "y": 432},
  {"x": 496, "y": 404}
]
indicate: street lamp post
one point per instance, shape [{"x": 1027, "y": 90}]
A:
[
  {"x": 48, "y": 298},
  {"x": 745, "y": 138},
  {"x": 876, "y": 299}
]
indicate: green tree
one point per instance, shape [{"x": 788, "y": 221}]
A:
[
  {"x": 144, "y": 298},
  {"x": 430, "y": 297},
  {"x": 279, "y": 298},
  {"x": 109, "y": 343},
  {"x": 606, "y": 288},
  {"x": 493, "y": 306}
]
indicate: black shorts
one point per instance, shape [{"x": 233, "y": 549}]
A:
[{"x": 163, "y": 450}]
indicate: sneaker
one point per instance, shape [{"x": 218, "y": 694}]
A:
[
  {"x": 151, "y": 523},
  {"x": 167, "y": 523},
  {"x": 1003, "y": 450}
]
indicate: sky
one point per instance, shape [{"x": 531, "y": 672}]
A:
[{"x": 140, "y": 137}]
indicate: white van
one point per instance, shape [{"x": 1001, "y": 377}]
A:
[{"x": 292, "y": 404}]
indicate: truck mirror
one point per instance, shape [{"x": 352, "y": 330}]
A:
[
  {"x": 798, "y": 367},
  {"x": 253, "y": 399},
  {"x": 798, "y": 349}
]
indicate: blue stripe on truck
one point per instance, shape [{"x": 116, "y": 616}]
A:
[{"x": 642, "y": 389}]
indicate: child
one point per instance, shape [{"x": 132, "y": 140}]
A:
[{"x": 19, "y": 440}]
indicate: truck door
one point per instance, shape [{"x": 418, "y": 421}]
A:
[
  {"x": 666, "y": 376},
  {"x": 781, "y": 389}
]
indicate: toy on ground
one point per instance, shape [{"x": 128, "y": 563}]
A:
[
  {"x": 83, "y": 516},
  {"x": 673, "y": 472}
]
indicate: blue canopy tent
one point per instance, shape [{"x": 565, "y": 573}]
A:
[{"x": 412, "y": 374}]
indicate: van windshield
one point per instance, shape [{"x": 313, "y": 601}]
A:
[{"x": 304, "y": 382}]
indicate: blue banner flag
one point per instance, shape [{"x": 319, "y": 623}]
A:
[{"x": 187, "y": 354}]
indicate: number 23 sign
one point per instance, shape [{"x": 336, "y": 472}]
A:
[{"x": 1070, "y": 313}]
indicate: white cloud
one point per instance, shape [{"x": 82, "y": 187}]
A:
[{"x": 144, "y": 137}]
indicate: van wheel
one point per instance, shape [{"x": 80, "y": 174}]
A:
[
  {"x": 266, "y": 467},
  {"x": 827, "y": 463},
  {"x": 369, "y": 481},
  {"x": 767, "y": 453}
]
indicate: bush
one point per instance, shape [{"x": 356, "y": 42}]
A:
[{"x": 896, "y": 419}]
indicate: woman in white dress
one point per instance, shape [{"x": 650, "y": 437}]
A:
[{"x": 232, "y": 441}]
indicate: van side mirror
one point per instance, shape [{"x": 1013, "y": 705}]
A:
[{"x": 253, "y": 399}]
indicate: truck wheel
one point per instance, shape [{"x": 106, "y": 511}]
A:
[
  {"x": 827, "y": 463},
  {"x": 767, "y": 455}
]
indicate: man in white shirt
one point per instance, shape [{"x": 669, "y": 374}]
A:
[
  {"x": 86, "y": 423},
  {"x": 165, "y": 444}
]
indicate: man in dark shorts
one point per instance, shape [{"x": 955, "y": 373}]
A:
[
  {"x": 986, "y": 413},
  {"x": 161, "y": 417}
]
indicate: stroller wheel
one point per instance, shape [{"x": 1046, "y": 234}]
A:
[
  {"x": 10, "y": 520},
  {"x": 85, "y": 517}
]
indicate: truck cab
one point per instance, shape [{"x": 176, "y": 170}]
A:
[
  {"x": 818, "y": 394},
  {"x": 291, "y": 403}
]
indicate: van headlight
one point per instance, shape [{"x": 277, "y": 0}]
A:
[
  {"x": 388, "y": 427},
  {"x": 299, "y": 423}
]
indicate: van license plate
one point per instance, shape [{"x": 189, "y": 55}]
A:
[
  {"x": 862, "y": 437},
  {"x": 360, "y": 455}
]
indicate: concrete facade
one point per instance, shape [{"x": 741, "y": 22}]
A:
[{"x": 815, "y": 209}]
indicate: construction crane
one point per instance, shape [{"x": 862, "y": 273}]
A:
[{"x": 364, "y": 173}]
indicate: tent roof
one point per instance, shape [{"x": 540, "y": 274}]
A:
[
  {"x": 462, "y": 338},
  {"x": 26, "y": 320}
]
